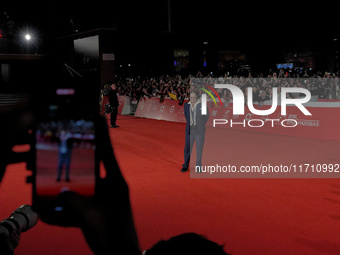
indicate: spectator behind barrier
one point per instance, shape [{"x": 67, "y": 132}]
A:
[{"x": 145, "y": 87}]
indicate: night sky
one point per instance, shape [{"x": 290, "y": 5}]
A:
[
  {"x": 260, "y": 29},
  {"x": 255, "y": 21}
]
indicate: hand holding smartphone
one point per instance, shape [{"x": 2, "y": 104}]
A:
[
  {"x": 99, "y": 206},
  {"x": 65, "y": 147}
]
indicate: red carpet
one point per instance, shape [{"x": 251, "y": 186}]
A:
[
  {"x": 249, "y": 216},
  {"x": 81, "y": 172}
]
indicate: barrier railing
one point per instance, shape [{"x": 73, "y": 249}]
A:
[{"x": 324, "y": 122}]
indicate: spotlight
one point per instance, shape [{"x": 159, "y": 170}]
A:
[{"x": 28, "y": 37}]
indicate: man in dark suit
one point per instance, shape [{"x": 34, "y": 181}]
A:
[
  {"x": 65, "y": 151},
  {"x": 194, "y": 130},
  {"x": 113, "y": 99}
]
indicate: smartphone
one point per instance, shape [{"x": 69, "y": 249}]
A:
[{"x": 65, "y": 147}]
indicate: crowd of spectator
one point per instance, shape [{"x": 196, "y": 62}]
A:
[
  {"x": 142, "y": 87},
  {"x": 48, "y": 131},
  {"x": 323, "y": 86}
]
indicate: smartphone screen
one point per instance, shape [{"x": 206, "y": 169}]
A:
[{"x": 65, "y": 145}]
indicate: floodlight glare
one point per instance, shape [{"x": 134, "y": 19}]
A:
[{"x": 28, "y": 37}]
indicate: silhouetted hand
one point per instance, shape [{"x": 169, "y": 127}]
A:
[{"x": 9, "y": 243}]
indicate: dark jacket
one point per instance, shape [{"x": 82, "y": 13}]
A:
[
  {"x": 69, "y": 144},
  {"x": 113, "y": 98},
  {"x": 201, "y": 120}
]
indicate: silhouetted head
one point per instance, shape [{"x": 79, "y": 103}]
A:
[{"x": 186, "y": 244}]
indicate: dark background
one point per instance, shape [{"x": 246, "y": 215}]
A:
[{"x": 263, "y": 31}]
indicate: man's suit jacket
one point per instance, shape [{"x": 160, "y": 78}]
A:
[
  {"x": 113, "y": 98},
  {"x": 201, "y": 120}
]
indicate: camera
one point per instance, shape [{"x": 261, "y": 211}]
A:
[
  {"x": 108, "y": 108},
  {"x": 22, "y": 219}
]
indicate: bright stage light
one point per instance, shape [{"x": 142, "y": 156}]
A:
[{"x": 28, "y": 37}]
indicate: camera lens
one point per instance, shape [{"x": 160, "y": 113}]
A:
[{"x": 21, "y": 219}]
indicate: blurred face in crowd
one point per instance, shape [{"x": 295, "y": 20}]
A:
[
  {"x": 193, "y": 98},
  {"x": 113, "y": 86}
]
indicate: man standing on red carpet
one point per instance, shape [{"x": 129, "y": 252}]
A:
[
  {"x": 194, "y": 130},
  {"x": 113, "y": 99},
  {"x": 65, "y": 151}
]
